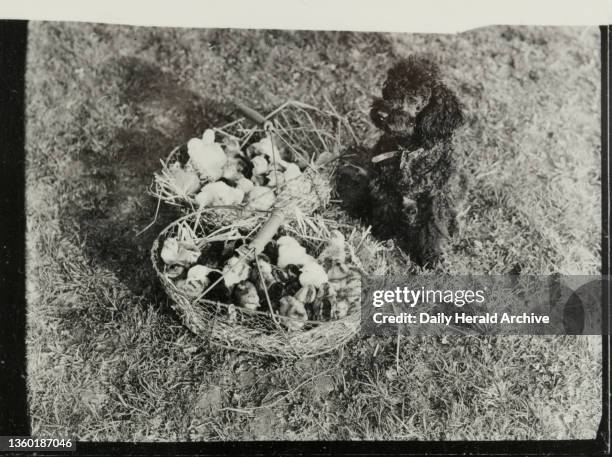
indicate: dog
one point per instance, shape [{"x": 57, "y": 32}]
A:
[{"x": 407, "y": 186}]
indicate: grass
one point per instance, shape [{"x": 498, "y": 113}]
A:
[{"x": 108, "y": 360}]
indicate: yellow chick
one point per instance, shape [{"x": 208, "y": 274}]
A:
[
  {"x": 185, "y": 181},
  {"x": 335, "y": 248},
  {"x": 276, "y": 178},
  {"x": 175, "y": 252},
  {"x": 267, "y": 147},
  {"x": 235, "y": 270},
  {"x": 261, "y": 198},
  {"x": 291, "y": 252},
  {"x": 246, "y": 185},
  {"x": 207, "y": 158},
  {"x": 219, "y": 194},
  {"x": 260, "y": 165},
  {"x": 292, "y": 171},
  {"x": 245, "y": 295},
  {"x": 295, "y": 311},
  {"x": 313, "y": 274}
]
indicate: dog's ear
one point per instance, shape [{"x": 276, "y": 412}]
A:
[{"x": 441, "y": 116}]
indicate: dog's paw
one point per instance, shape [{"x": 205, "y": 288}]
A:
[{"x": 430, "y": 238}]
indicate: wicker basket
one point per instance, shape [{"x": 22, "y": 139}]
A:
[
  {"x": 314, "y": 138},
  {"x": 260, "y": 332}
]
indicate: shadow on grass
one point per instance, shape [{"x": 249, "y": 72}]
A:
[{"x": 163, "y": 115}]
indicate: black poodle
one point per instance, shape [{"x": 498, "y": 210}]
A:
[{"x": 407, "y": 184}]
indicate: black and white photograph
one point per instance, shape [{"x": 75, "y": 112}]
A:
[{"x": 203, "y": 206}]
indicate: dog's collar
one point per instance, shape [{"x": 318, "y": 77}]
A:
[{"x": 387, "y": 155}]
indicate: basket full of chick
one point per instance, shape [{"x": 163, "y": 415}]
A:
[
  {"x": 296, "y": 293},
  {"x": 285, "y": 161}
]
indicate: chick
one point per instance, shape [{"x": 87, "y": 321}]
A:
[
  {"x": 340, "y": 309},
  {"x": 175, "y": 252},
  {"x": 313, "y": 274},
  {"x": 292, "y": 171},
  {"x": 199, "y": 273},
  {"x": 338, "y": 275},
  {"x": 219, "y": 194},
  {"x": 335, "y": 249},
  {"x": 208, "y": 137},
  {"x": 184, "y": 180},
  {"x": 260, "y": 165},
  {"x": 262, "y": 271},
  {"x": 275, "y": 178},
  {"x": 261, "y": 198},
  {"x": 245, "y": 295},
  {"x": 233, "y": 169},
  {"x": 232, "y": 147},
  {"x": 235, "y": 270},
  {"x": 207, "y": 158},
  {"x": 244, "y": 184},
  {"x": 295, "y": 311},
  {"x": 197, "y": 281},
  {"x": 291, "y": 252},
  {"x": 269, "y": 148}
]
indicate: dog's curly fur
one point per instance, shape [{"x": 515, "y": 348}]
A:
[{"x": 411, "y": 195}]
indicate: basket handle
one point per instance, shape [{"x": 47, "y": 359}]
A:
[
  {"x": 267, "y": 232},
  {"x": 263, "y": 236},
  {"x": 250, "y": 113}
]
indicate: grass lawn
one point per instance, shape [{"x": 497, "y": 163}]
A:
[{"x": 109, "y": 360}]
